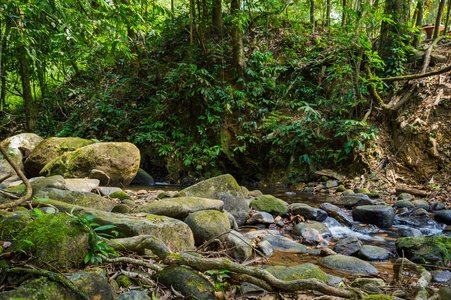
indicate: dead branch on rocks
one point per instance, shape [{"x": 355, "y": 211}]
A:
[
  {"x": 427, "y": 55},
  {"x": 204, "y": 264},
  {"x": 423, "y": 281},
  {"x": 19, "y": 172}
]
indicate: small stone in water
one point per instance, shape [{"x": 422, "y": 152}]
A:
[{"x": 441, "y": 276}]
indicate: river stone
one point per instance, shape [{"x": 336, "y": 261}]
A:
[
  {"x": 134, "y": 295},
  {"x": 180, "y": 207},
  {"x": 245, "y": 191},
  {"x": 238, "y": 246},
  {"x": 441, "y": 276},
  {"x": 11, "y": 146},
  {"x": 121, "y": 195},
  {"x": 373, "y": 253},
  {"x": 341, "y": 188},
  {"x": 443, "y": 216},
  {"x": 208, "y": 224},
  {"x": 331, "y": 184},
  {"x": 348, "y": 246},
  {"x": 304, "y": 271},
  {"x": 120, "y": 161},
  {"x": 266, "y": 248},
  {"x": 261, "y": 218},
  {"x": 337, "y": 213},
  {"x": 255, "y": 193},
  {"x": 121, "y": 209},
  {"x": 365, "y": 228},
  {"x": 445, "y": 293},
  {"x": 351, "y": 200},
  {"x": 379, "y": 215},
  {"x": 49, "y": 149},
  {"x": 85, "y": 199},
  {"x": 143, "y": 178},
  {"x": 56, "y": 239},
  {"x": 233, "y": 223},
  {"x": 308, "y": 212},
  {"x": 325, "y": 232},
  {"x": 92, "y": 282},
  {"x": 269, "y": 204},
  {"x": 421, "y": 204},
  {"x": 187, "y": 282},
  {"x": 106, "y": 190},
  {"x": 420, "y": 212},
  {"x": 56, "y": 182},
  {"x": 436, "y": 205},
  {"x": 404, "y": 203},
  {"x": 434, "y": 250},
  {"x": 283, "y": 243},
  {"x": 81, "y": 184},
  {"x": 224, "y": 188},
  {"x": 173, "y": 233},
  {"x": 252, "y": 235},
  {"x": 405, "y": 196},
  {"x": 348, "y": 192},
  {"x": 348, "y": 264},
  {"x": 411, "y": 232},
  {"x": 310, "y": 235},
  {"x": 11, "y": 223}
]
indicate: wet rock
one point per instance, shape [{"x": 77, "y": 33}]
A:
[
  {"x": 266, "y": 248},
  {"x": 365, "y": 228},
  {"x": 435, "y": 205},
  {"x": 411, "y": 232},
  {"x": 348, "y": 246},
  {"x": 11, "y": 223},
  {"x": 85, "y": 199},
  {"x": 187, "y": 282},
  {"x": 404, "y": 203},
  {"x": 405, "y": 196},
  {"x": 304, "y": 271},
  {"x": 337, "y": 213},
  {"x": 351, "y": 200},
  {"x": 308, "y": 212},
  {"x": 252, "y": 235},
  {"x": 106, "y": 190},
  {"x": 348, "y": 264},
  {"x": 121, "y": 209},
  {"x": 143, "y": 178},
  {"x": 120, "y": 161},
  {"x": 379, "y": 215},
  {"x": 285, "y": 244},
  {"x": 310, "y": 236},
  {"x": 420, "y": 212},
  {"x": 441, "y": 276},
  {"x": 261, "y": 218},
  {"x": 208, "y": 224},
  {"x": 421, "y": 204},
  {"x": 49, "y": 149},
  {"x": 331, "y": 184},
  {"x": 238, "y": 246},
  {"x": 224, "y": 188},
  {"x": 443, "y": 216},
  {"x": 433, "y": 250},
  {"x": 331, "y": 222},
  {"x": 373, "y": 253},
  {"x": 269, "y": 204},
  {"x": 325, "y": 232},
  {"x": 233, "y": 223},
  {"x": 445, "y": 293},
  {"x": 134, "y": 295}
]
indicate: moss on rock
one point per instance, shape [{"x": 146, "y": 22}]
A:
[
  {"x": 269, "y": 204},
  {"x": 12, "y": 223},
  {"x": 434, "y": 250},
  {"x": 121, "y": 195},
  {"x": 304, "y": 271}
]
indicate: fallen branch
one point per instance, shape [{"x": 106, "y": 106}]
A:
[
  {"x": 19, "y": 172},
  {"x": 133, "y": 261},
  {"x": 414, "y": 76},
  {"x": 423, "y": 281},
  {"x": 427, "y": 55}
]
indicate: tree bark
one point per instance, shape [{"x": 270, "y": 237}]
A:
[
  {"x": 419, "y": 20},
  {"x": 312, "y": 14},
  {"x": 438, "y": 20},
  {"x": 238, "y": 61},
  {"x": 392, "y": 32},
  {"x": 216, "y": 15},
  {"x": 447, "y": 18},
  {"x": 3, "y": 44},
  {"x": 328, "y": 14},
  {"x": 343, "y": 17}
]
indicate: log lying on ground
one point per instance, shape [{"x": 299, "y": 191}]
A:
[
  {"x": 423, "y": 281},
  {"x": 138, "y": 243}
]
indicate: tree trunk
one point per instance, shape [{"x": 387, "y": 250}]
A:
[
  {"x": 328, "y": 14},
  {"x": 438, "y": 21},
  {"x": 343, "y": 17},
  {"x": 419, "y": 20},
  {"x": 172, "y": 7},
  {"x": 392, "y": 33},
  {"x": 447, "y": 18},
  {"x": 238, "y": 61},
  {"x": 312, "y": 14},
  {"x": 216, "y": 15}
]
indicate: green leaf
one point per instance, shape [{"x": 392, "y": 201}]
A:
[{"x": 104, "y": 227}]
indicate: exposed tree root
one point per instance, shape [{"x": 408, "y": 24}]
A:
[
  {"x": 423, "y": 281},
  {"x": 205, "y": 264}
]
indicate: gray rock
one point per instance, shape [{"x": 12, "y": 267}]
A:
[
  {"x": 266, "y": 248},
  {"x": 308, "y": 212},
  {"x": 348, "y": 192},
  {"x": 233, "y": 223},
  {"x": 337, "y": 213},
  {"x": 405, "y": 196},
  {"x": 143, "y": 178},
  {"x": 121, "y": 209},
  {"x": 261, "y": 218},
  {"x": 411, "y": 232},
  {"x": 371, "y": 288},
  {"x": 373, "y": 253},
  {"x": 421, "y": 204},
  {"x": 445, "y": 293},
  {"x": 348, "y": 246},
  {"x": 434, "y": 250},
  {"x": 99, "y": 175},
  {"x": 269, "y": 204},
  {"x": 249, "y": 289},
  {"x": 239, "y": 247},
  {"x": 379, "y": 215},
  {"x": 348, "y": 264},
  {"x": 310, "y": 236},
  {"x": 134, "y": 295},
  {"x": 255, "y": 193},
  {"x": 351, "y": 200},
  {"x": 359, "y": 282},
  {"x": 435, "y": 205},
  {"x": 303, "y": 271},
  {"x": 443, "y": 216},
  {"x": 365, "y": 228},
  {"x": 208, "y": 224},
  {"x": 283, "y": 243},
  {"x": 420, "y": 212},
  {"x": 325, "y": 232},
  {"x": 252, "y": 235},
  {"x": 331, "y": 184},
  {"x": 180, "y": 207},
  {"x": 224, "y": 188},
  {"x": 106, "y": 190},
  {"x": 56, "y": 182},
  {"x": 404, "y": 203},
  {"x": 81, "y": 184},
  {"x": 245, "y": 191},
  {"x": 441, "y": 276}
]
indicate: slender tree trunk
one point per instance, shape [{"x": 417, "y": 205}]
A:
[
  {"x": 3, "y": 43},
  {"x": 343, "y": 17},
  {"x": 40, "y": 67},
  {"x": 447, "y": 18},
  {"x": 192, "y": 14},
  {"x": 312, "y": 14},
  {"x": 172, "y": 8},
  {"x": 438, "y": 21},
  {"x": 328, "y": 14},
  {"x": 216, "y": 15},
  {"x": 1, "y": 61},
  {"x": 238, "y": 61},
  {"x": 392, "y": 33},
  {"x": 419, "y": 20}
]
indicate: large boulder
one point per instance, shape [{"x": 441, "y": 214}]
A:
[
  {"x": 180, "y": 207},
  {"x": 348, "y": 264},
  {"x": 56, "y": 182},
  {"x": 49, "y": 149},
  {"x": 11, "y": 223},
  {"x": 208, "y": 224},
  {"x": 379, "y": 215},
  {"x": 119, "y": 161},
  {"x": 434, "y": 250},
  {"x": 12, "y": 145},
  {"x": 269, "y": 204},
  {"x": 443, "y": 216},
  {"x": 224, "y": 188}
]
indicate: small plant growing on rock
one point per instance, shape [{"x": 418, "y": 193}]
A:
[{"x": 217, "y": 276}]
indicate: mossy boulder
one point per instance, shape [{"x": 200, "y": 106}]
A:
[
  {"x": 208, "y": 224},
  {"x": 434, "y": 250},
  {"x": 121, "y": 195},
  {"x": 56, "y": 182},
  {"x": 172, "y": 232},
  {"x": 56, "y": 239},
  {"x": 269, "y": 204},
  {"x": 143, "y": 178},
  {"x": 373, "y": 253},
  {"x": 49, "y": 149},
  {"x": 186, "y": 281},
  {"x": 340, "y": 188},
  {"x": 120, "y": 161},
  {"x": 84, "y": 199},
  {"x": 180, "y": 207},
  {"x": 13, "y": 145},
  {"x": 304, "y": 271},
  {"x": 348, "y": 264},
  {"x": 224, "y": 188},
  {"x": 11, "y": 223}
]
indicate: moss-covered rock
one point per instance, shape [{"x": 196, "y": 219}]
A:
[
  {"x": 186, "y": 281},
  {"x": 224, "y": 188},
  {"x": 49, "y": 149},
  {"x": 208, "y": 224},
  {"x": 56, "y": 182},
  {"x": 12, "y": 223},
  {"x": 120, "y": 161},
  {"x": 180, "y": 207},
  {"x": 304, "y": 271},
  {"x": 269, "y": 204},
  {"x": 56, "y": 239},
  {"x": 125, "y": 282},
  {"x": 84, "y": 199},
  {"x": 340, "y": 188},
  {"x": 121, "y": 195},
  {"x": 434, "y": 250},
  {"x": 348, "y": 264},
  {"x": 379, "y": 297}
]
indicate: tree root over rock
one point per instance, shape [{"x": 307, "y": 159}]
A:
[
  {"x": 423, "y": 281},
  {"x": 256, "y": 275}
]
